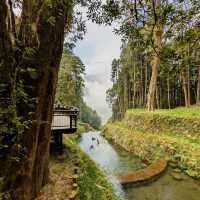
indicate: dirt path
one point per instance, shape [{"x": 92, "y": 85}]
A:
[{"x": 60, "y": 186}]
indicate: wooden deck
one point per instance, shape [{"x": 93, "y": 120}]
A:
[
  {"x": 60, "y": 122},
  {"x": 64, "y": 121}
]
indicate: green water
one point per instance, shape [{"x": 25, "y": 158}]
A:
[
  {"x": 167, "y": 188},
  {"x": 114, "y": 161}
]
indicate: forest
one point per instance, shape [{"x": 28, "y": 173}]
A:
[
  {"x": 159, "y": 68},
  {"x": 162, "y": 65},
  {"x": 70, "y": 88}
]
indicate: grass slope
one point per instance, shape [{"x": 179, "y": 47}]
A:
[
  {"x": 191, "y": 112},
  {"x": 163, "y": 134}
]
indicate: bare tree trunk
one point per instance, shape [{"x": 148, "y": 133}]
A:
[
  {"x": 134, "y": 85},
  {"x": 160, "y": 92},
  {"x": 146, "y": 82},
  {"x": 154, "y": 65},
  {"x": 185, "y": 90},
  {"x": 142, "y": 83},
  {"x": 157, "y": 38},
  {"x": 40, "y": 47},
  {"x": 125, "y": 92},
  {"x": 168, "y": 92},
  {"x": 188, "y": 86},
  {"x": 198, "y": 88}
]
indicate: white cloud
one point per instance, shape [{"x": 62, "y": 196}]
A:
[{"x": 97, "y": 51}]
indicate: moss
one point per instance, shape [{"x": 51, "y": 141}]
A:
[{"x": 92, "y": 182}]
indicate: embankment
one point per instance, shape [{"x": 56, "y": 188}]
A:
[{"x": 173, "y": 136}]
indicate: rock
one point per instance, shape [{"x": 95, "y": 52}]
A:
[
  {"x": 91, "y": 146},
  {"x": 75, "y": 185},
  {"x": 144, "y": 165},
  {"x": 73, "y": 194},
  {"x": 76, "y": 170},
  {"x": 74, "y": 178},
  {"x": 177, "y": 170},
  {"x": 93, "y": 138},
  {"x": 98, "y": 142},
  {"x": 177, "y": 176},
  {"x": 172, "y": 164}
]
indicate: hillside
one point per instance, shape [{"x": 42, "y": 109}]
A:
[{"x": 172, "y": 135}]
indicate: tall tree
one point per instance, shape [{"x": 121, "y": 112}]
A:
[
  {"x": 70, "y": 80},
  {"x": 29, "y": 63},
  {"x": 155, "y": 62},
  {"x": 155, "y": 21},
  {"x": 70, "y": 88},
  {"x": 177, "y": 72}
]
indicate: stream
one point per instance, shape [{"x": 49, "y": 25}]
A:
[{"x": 116, "y": 161}]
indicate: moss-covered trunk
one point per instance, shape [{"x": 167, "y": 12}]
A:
[{"x": 36, "y": 60}]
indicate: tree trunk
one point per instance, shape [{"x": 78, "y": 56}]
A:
[
  {"x": 142, "y": 83},
  {"x": 125, "y": 92},
  {"x": 157, "y": 38},
  {"x": 185, "y": 90},
  {"x": 154, "y": 65},
  {"x": 134, "y": 85},
  {"x": 168, "y": 92},
  {"x": 41, "y": 44},
  {"x": 198, "y": 88},
  {"x": 146, "y": 82},
  {"x": 157, "y": 98},
  {"x": 7, "y": 83},
  {"x": 188, "y": 86}
]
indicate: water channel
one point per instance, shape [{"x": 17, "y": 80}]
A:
[{"x": 115, "y": 161}]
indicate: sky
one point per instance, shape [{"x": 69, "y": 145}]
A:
[{"x": 99, "y": 47}]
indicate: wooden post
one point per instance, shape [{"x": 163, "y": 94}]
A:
[
  {"x": 61, "y": 143},
  {"x": 70, "y": 121},
  {"x": 75, "y": 121}
]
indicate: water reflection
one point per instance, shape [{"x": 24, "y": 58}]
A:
[
  {"x": 167, "y": 188},
  {"x": 113, "y": 161},
  {"x": 116, "y": 161}
]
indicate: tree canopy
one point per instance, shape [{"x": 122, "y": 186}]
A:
[{"x": 70, "y": 88}]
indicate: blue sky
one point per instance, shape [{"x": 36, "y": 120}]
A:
[{"x": 97, "y": 51}]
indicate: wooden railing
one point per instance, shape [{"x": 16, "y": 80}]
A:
[{"x": 64, "y": 120}]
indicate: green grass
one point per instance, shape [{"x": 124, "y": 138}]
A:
[{"x": 191, "y": 112}]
